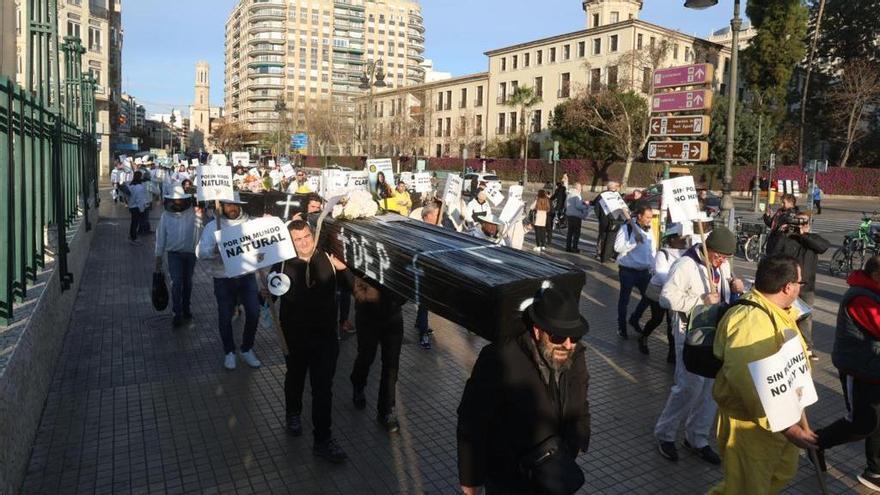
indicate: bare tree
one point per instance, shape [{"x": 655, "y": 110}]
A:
[
  {"x": 229, "y": 136},
  {"x": 856, "y": 92}
]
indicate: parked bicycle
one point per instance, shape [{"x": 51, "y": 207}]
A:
[
  {"x": 750, "y": 239},
  {"x": 858, "y": 246}
]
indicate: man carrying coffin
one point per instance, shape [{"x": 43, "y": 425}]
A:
[
  {"x": 755, "y": 459},
  {"x": 230, "y": 292},
  {"x": 308, "y": 316}
]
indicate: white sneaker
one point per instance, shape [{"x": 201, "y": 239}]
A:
[
  {"x": 536, "y": 249},
  {"x": 229, "y": 361},
  {"x": 251, "y": 359}
]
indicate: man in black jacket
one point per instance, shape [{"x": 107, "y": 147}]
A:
[
  {"x": 524, "y": 415},
  {"x": 308, "y": 314},
  {"x": 797, "y": 242},
  {"x": 607, "y": 226}
]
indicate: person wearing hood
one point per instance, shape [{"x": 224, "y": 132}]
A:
[
  {"x": 490, "y": 230},
  {"x": 176, "y": 238},
  {"x": 478, "y": 207},
  {"x": 138, "y": 200},
  {"x": 230, "y": 291},
  {"x": 855, "y": 355},
  {"x": 524, "y": 416}
]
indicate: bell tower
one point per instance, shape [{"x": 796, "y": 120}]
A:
[
  {"x": 604, "y": 12},
  {"x": 200, "y": 116}
]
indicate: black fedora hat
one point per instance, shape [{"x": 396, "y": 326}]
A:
[{"x": 556, "y": 312}]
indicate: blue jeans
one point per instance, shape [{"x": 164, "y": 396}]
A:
[
  {"x": 422, "y": 320},
  {"x": 230, "y": 292},
  {"x": 180, "y": 267},
  {"x": 630, "y": 279}
]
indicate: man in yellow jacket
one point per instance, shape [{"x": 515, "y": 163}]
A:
[
  {"x": 755, "y": 459},
  {"x": 400, "y": 200}
]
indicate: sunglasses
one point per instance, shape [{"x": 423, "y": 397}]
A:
[{"x": 557, "y": 339}]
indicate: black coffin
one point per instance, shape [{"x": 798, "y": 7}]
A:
[{"x": 466, "y": 280}]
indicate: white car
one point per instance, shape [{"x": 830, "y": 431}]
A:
[{"x": 490, "y": 180}]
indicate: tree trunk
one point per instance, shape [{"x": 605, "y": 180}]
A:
[
  {"x": 854, "y": 117},
  {"x": 626, "y": 170}
]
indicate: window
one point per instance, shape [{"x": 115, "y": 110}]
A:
[
  {"x": 501, "y": 123},
  {"x": 440, "y": 101},
  {"x": 597, "y": 46},
  {"x": 612, "y": 76},
  {"x": 615, "y": 17},
  {"x": 565, "y": 85},
  {"x": 595, "y": 20},
  {"x": 566, "y": 52},
  {"x": 479, "y": 101},
  {"x": 462, "y": 126},
  {"x": 539, "y": 87},
  {"x": 503, "y": 63},
  {"x": 539, "y": 57},
  {"x": 675, "y": 51},
  {"x": 502, "y": 92},
  {"x": 73, "y": 29},
  {"x": 513, "y": 121},
  {"x": 439, "y": 127},
  {"x": 613, "y": 43},
  {"x": 514, "y": 61},
  {"x": 595, "y": 80},
  {"x": 653, "y": 41},
  {"x": 439, "y": 150},
  {"x": 96, "y": 75},
  {"x": 463, "y": 101},
  {"x": 526, "y": 59},
  {"x": 536, "y": 121},
  {"x": 478, "y": 126},
  {"x": 582, "y": 49},
  {"x": 553, "y": 55},
  {"x": 639, "y": 40},
  {"x": 95, "y": 39},
  {"x": 448, "y": 130},
  {"x": 448, "y": 105},
  {"x": 513, "y": 86}
]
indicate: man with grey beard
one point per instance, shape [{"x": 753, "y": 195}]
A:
[{"x": 524, "y": 415}]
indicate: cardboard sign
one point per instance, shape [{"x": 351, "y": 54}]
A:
[
  {"x": 254, "y": 172},
  {"x": 784, "y": 383},
  {"x": 382, "y": 165},
  {"x": 218, "y": 159},
  {"x": 422, "y": 182},
  {"x": 214, "y": 183},
  {"x": 255, "y": 244},
  {"x": 176, "y": 158},
  {"x": 613, "y": 204},
  {"x": 314, "y": 182},
  {"x": 515, "y": 191},
  {"x": 287, "y": 169},
  {"x": 194, "y": 162},
  {"x": 341, "y": 182},
  {"x": 420, "y": 165},
  {"x": 452, "y": 191},
  {"x": 496, "y": 197},
  {"x": 513, "y": 208},
  {"x": 680, "y": 198},
  {"x": 407, "y": 178},
  {"x": 272, "y": 163},
  {"x": 242, "y": 158}
]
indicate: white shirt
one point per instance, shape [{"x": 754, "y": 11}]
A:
[
  {"x": 140, "y": 197},
  {"x": 663, "y": 264},
  {"x": 177, "y": 231},
  {"x": 474, "y": 206},
  {"x": 631, "y": 254}
]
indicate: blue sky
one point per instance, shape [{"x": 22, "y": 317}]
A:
[{"x": 165, "y": 38}]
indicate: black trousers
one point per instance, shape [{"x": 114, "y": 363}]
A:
[
  {"x": 863, "y": 403},
  {"x": 317, "y": 358},
  {"x": 136, "y": 220},
  {"x": 658, "y": 314},
  {"x": 540, "y": 236},
  {"x": 573, "y": 236},
  {"x": 388, "y": 335}
]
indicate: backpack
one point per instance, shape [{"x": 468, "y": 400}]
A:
[{"x": 698, "y": 355}]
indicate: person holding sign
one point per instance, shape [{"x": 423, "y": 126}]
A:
[
  {"x": 604, "y": 248},
  {"x": 757, "y": 459},
  {"x": 477, "y": 208},
  {"x": 308, "y": 314},
  {"x": 400, "y": 201},
  {"x": 635, "y": 258},
  {"x": 230, "y": 291},
  {"x": 690, "y": 285},
  {"x": 856, "y": 357}
]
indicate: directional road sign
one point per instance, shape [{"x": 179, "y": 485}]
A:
[
  {"x": 697, "y": 125},
  {"x": 677, "y": 101},
  {"x": 679, "y": 151},
  {"x": 687, "y": 75}
]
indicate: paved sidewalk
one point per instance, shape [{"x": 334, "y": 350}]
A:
[{"x": 135, "y": 407}]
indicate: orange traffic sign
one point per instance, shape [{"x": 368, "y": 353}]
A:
[
  {"x": 697, "y": 125},
  {"x": 679, "y": 151}
]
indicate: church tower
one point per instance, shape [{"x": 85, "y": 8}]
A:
[
  {"x": 200, "y": 115},
  {"x": 603, "y": 12}
]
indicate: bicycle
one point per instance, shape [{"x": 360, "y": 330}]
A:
[
  {"x": 857, "y": 246},
  {"x": 750, "y": 239}
]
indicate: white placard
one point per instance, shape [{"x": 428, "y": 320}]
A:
[
  {"x": 254, "y": 172},
  {"x": 784, "y": 383},
  {"x": 255, "y": 244},
  {"x": 340, "y": 182},
  {"x": 613, "y": 204},
  {"x": 422, "y": 182},
  {"x": 176, "y": 158},
  {"x": 680, "y": 197},
  {"x": 218, "y": 159},
  {"x": 515, "y": 191},
  {"x": 452, "y": 191},
  {"x": 496, "y": 197},
  {"x": 287, "y": 169},
  {"x": 214, "y": 183},
  {"x": 242, "y": 158},
  {"x": 194, "y": 162},
  {"x": 272, "y": 163},
  {"x": 314, "y": 182},
  {"x": 377, "y": 165},
  {"x": 407, "y": 178},
  {"x": 512, "y": 207}
]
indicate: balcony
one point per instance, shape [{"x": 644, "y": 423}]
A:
[
  {"x": 267, "y": 37},
  {"x": 267, "y": 49},
  {"x": 256, "y": 96},
  {"x": 501, "y": 100},
  {"x": 268, "y": 15},
  {"x": 265, "y": 26},
  {"x": 416, "y": 57},
  {"x": 415, "y": 36},
  {"x": 348, "y": 15},
  {"x": 359, "y": 50},
  {"x": 267, "y": 84},
  {"x": 267, "y": 3},
  {"x": 349, "y": 4},
  {"x": 417, "y": 25},
  {"x": 416, "y": 16}
]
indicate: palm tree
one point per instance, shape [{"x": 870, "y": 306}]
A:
[{"x": 524, "y": 98}]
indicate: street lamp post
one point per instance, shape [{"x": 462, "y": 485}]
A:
[
  {"x": 735, "y": 26},
  {"x": 281, "y": 109},
  {"x": 172, "y": 119},
  {"x": 373, "y": 77}
]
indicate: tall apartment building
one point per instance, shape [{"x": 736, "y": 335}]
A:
[
  {"x": 98, "y": 25},
  {"x": 471, "y": 111},
  {"x": 311, "y": 54}
]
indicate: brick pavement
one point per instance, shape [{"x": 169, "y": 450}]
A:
[{"x": 135, "y": 407}]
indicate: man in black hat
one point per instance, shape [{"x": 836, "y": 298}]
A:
[{"x": 524, "y": 415}]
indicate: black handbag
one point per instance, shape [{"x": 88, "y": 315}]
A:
[
  {"x": 159, "y": 294},
  {"x": 550, "y": 469}
]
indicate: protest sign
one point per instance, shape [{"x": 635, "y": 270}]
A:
[
  {"x": 613, "y": 204},
  {"x": 255, "y": 244},
  {"x": 422, "y": 182},
  {"x": 377, "y": 165},
  {"x": 511, "y": 209},
  {"x": 515, "y": 191},
  {"x": 341, "y": 182},
  {"x": 314, "y": 182},
  {"x": 680, "y": 197},
  {"x": 287, "y": 169},
  {"x": 272, "y": 163},
  {"x": 254, "y": 172},
  {"x": 495, "y": 196},
  {"x": 421, "y": 165},
  {"x": 784, "y": 383},
  {"x": 407, "y": 178},
  {"x": 214, "y": 183},
  {"x": 194, "y": 162},
  {"x": 176, "y": 158},
  {"x": 452, "y": 191},
  {"x": 242, "y": 158},
  {"x": 218, "y": 159}
]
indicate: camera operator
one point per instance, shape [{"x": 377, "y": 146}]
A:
[
  {"x": 781, "y": 218},
  {"x": 795, "y": 240}
]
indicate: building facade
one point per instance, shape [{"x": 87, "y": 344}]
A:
[
  {"x": 617, "y": 49},
  {"x": 287, "y": 59}
]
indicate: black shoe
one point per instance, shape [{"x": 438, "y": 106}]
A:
[
  {"x": 294, "y": 425},
  {"x": 668, "y": 450},
  {"x": 576, "y": 251},
  {"x": 389, "y": 421},
  {"x": 643, "y": 345},
  {"x": 635, "y": 324},
  {"x": 358, "y": 398},
  {"x": 706, "y": 453},
  {"x": 177, "y": 321},
  {"x": 330, "y": 451},
  {"x": 621, "y": 332}
]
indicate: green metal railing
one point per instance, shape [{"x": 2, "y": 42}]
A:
[{"x": 48, "y": 157}]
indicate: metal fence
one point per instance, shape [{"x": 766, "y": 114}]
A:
[{"x": 48, "y": 159}]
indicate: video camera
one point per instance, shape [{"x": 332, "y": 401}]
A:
[{"x": 790, "y": 223}]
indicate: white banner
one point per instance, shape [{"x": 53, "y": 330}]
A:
[
  {"x": 194, "y": 162},
  {"x": 287, "y": 169},
  {"x": 218, "y": 159},
  {"x": 422, "y": 182},
  {"x": 255, "y": 244},
  {"x": 784, "y": 383},
  {"x": 340, "y": 182},
  {"x": 242, "y": 158},
  {"x": 680, "y": 197},
  {"x": 383, "y": 165},
  {"x": 613, "y": 204},
  {"x": 496, "y": 197},
  {"x": 452, "y": 191},
  {"x": 214, "y": 182},
  {"x": 515, "y": 191}
]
